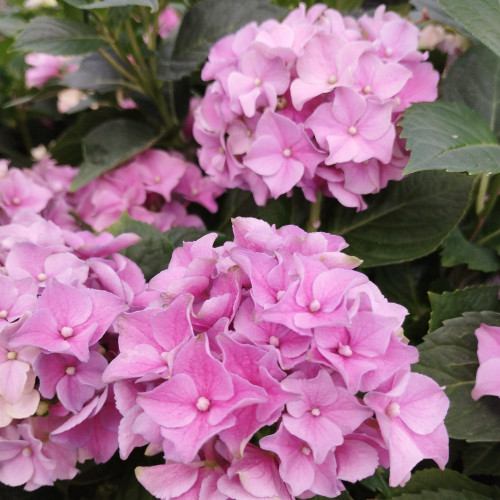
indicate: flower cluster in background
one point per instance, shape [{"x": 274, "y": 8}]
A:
[
  {"x": 313, "y": 102},
  {"x": 60, "y": 292},
  {"x": 271, "y": 343},
  {"x": 154, "y": 187}
]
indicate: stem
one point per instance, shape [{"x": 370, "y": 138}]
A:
[
  {"x": 481, "y": 193},
  {"x": 491, "y": 198},
  {"x": 117, "y": 66},
  {"x": 136, "y": 51},
  {"x": 314, "y": 221}
]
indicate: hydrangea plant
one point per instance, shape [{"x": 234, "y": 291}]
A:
[{"x": 249, "y": 250}]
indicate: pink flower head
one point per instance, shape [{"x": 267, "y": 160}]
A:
[
  {"x": 19, "y": 192},
  {"x": 488, "y": 352},
  {"x": 258, "y": 83},
  {"x": 43, "y": 68},
  {"x": 198, "y": 400},
  {"x": 323, "y": 415},
  {"x": 168, "y": 20},
  {"x": 346, "y": 80},
  {"x": 68, "y": 319},
  {"x": 298, "y": 468},
  {"x": 281, "y": 153},
  {"x": 353, "y": 128},
  {"x": 410, "y": 410}
]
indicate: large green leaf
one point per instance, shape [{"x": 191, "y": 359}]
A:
[
  {"x": 474, "y": 80},
  {"x": 449, "y": 356},
  {"x": 11, "y": 25},
  {"x": 481, "y": 459},
  {"x": 407, "y": 220},
  {"x": 428, "y": 480},
  {"x": 436, "y": 12},
  {"x": 450, "y": 305},
  {"x": 94, "y": 73},
  {"x": 203, "y": 25},
  {"x": 67, "y": 149},
  {"x": 152, "y": 4},
  {"x": 449, "y": 136},
  {"x": 480, "y": 17},
  {"x": 457, "y": 250},
  {"x": 61, "y": 37},
  {"x": 153, "y": 253},
  {"x": 110, "y": 144}
]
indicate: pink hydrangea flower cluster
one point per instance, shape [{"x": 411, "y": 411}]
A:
[
  {"x": 154, "y": 187},
  {"x": 312, "y": 101},
  {"x": 488, "y": 352},
  {"x": 270, "y": 368},
  {"x": 60, "y": 292}
]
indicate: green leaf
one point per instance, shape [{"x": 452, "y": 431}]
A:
[
  {"x": 449, "y": 136},
  {"x": 457, "y": 250},
  {"x": 450, "y": 305},
  {"x": 86, "y": 5},
  {"x": 206, "y": 23},
  {"x": 443, "y": 494},
  {"x": 474, "y": 80},
  {"x": 481, "y": 459},
  {"x": 436, "y": 12},
  {"x": 449, "y": 356},
  {"x": 94, "y": 73},
  {"x": 407, "y": 220},
  {"x": 67, "y": 149},
  {"x": 62, "y": 37},
  {"x": 378, "y": 482},
  {"x": 152, "y": 4},
  {"x": 110, "y": 144},
  {"x": 9, "y": 26},
  {"x": 449, "y": 480},
  {"x": 131, "y": 489},
  {"x": 181, "y": 234},
  {"x": 480, "y": 17},
  {"x": 153, "y": 253},
  {"x": 344, "y": 5}
]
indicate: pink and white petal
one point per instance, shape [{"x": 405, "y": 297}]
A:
[
  {"x": 167, "y": 481},
  {"x": 487, "y": 379}
]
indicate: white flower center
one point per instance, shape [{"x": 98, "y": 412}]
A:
[
  {"x": 41, "y": 277},
  {"x": 275, "y": 341},
  {"x": 3, "y": 314},
  {"x": 280, "y": 294},
  {"x": 352, "y": 130},
  {"x": 16, "y": 201},
  {"x": 315, "y": 412},
  {"x": 257, "y": 82},
  {"x": 66, "y": 331},
  {"x": 12, "y": 355},
  {"x": 157, "y": 179},
  {"x": 367, "y": 90},
  {"x": 70, "y": 370},
  {"x": 306, "y": 450},
  {"x": 393, "y": 410},
  {"x": 27, "y": 451},
  {"x": 345, "y": 350},
  {"x": 287, "y": 152},
  {"x": 203, "y": 404},
  {"x": 332, "y": 80},
  {"x": 314, "y": 306}
]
